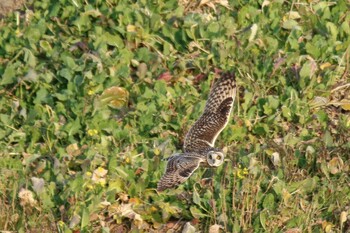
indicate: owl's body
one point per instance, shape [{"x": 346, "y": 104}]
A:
[{"x": 199, "y": 143}]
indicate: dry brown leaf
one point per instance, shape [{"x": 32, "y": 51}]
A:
[
  {"x": 215, "y": 228},
  {"x": 188, "y": 228},
  {"x": 26, "y": 198},
  {"x": 126, "y": 210},
  {"x": 99, "y": 176},
  {"x": 293, "y": 230},
  {"x": 73, "y": 149}
]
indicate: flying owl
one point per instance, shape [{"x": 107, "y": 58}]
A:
[{"x": 198, "y": 149}]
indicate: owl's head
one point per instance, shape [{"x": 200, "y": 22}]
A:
[{"x": 215, "y": 158}]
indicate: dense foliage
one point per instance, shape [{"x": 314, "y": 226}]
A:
[{"x": 94, "y": 94}]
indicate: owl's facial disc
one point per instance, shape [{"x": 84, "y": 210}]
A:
[{"x": 215, "y": 158}]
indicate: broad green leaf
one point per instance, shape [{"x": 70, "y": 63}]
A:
[
  {"x": 269, "y": 202},
  {"x": 305, "y": 71},
  {"x": 29, "y": 57},
  {"x": 113, "y": 40},
  {"x": 196, "y": 213},
  {"x": 290, "y": 24},
  {"x": 333, "y": 30},
  {"x": 9, "y": 75}
]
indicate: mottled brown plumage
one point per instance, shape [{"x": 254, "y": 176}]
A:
[
  {"x": 199, "y": 142},
  {"x": 179, "y": 168}
]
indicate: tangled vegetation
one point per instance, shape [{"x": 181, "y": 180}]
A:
[{"x": 94, "y": 94}]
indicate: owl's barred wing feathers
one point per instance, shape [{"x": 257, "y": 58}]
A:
[
  {"x": 179, "y": 168},
  {"x": 215, "y": 116},
  {"x": 202, "y": 135},
  {"x": 223, "y": 88}
]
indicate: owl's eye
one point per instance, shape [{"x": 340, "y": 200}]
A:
[
  {"x": 210, "y": 157},
  {"x": 219, "y": 157}
]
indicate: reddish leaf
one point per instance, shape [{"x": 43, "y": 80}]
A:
[{"x": 166, "y": 76}]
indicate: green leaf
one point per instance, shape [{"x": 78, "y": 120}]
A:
[
  {"x": 290, "y": 24},
  {"x": 45, "y": 45},
  {"x": 286, "y": 112},
  {"x": 269, "y": 202},
  {"x": 85, "y": 220},
  {"x": 263, "y": 217},
  {"x": 213, "y": 27},
  {"x": 66, "y": 73},
  {"x": 9, "y": 75},
  {"x": 305, "y": 71},
  {"x": 195, "y": 196},
  {"x": 113, "y": 40},
  {"x": 328, "y": 139},
  {"x": 196, "y": 213},
  {"x": 41, "y": 96},
  {"x": 69, "y": 61},
  {"x": 333, "y": 30},
  {"x": 29, "y": 58}
]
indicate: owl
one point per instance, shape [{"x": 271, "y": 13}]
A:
[{"x": 198, "y": 149}]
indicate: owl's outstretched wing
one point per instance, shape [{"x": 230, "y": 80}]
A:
[
  {"x": 179, "y": 168},
  {"x": 215, "y": 116}
]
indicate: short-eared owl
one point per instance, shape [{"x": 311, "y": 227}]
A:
[{"x": 199, "y": 147}]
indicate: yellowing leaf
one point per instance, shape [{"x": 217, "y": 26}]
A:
[
  {"x": 343, "y": 217},
  {"x": 286, "y": 196},
  {"x": 115, "y": 97},
  {"x": 131, "y": 28},
  {"x": 327, "y": 226},
  {"x": 335, "y": 165},
  {"x": 325, "y": 65},
  {"x": 293, "y": 15},
  {"x": 345, "y": 104}
]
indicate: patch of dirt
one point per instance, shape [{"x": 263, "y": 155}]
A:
[{"x": 7, "y": 6}]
